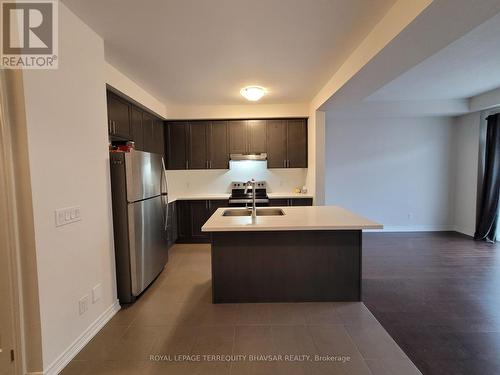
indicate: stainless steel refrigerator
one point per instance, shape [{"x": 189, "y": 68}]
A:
[{"x": 140, "y": 212}]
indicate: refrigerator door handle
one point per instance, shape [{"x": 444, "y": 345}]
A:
[
  {"x": 166, "y": 212},
  {"x": 164, "y": 179}
]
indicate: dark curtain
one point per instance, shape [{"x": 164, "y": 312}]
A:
[{"x": 488, "y": 209}]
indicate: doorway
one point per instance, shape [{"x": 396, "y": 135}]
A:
[{"x": 10, "y": 361}]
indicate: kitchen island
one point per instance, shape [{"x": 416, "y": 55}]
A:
[{"x": 286, "y": 254}]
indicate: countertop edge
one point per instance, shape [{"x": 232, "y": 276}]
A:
[
  {"x": 290, "y": 228},
  {"x": 226, "y": 196}
]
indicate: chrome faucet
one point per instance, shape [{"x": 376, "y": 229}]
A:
[{"x": 252, "y": 184}]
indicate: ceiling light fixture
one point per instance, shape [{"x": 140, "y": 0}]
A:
[{"x": 253, "y": 93}]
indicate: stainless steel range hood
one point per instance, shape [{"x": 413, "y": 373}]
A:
[{"x": 249, "y": 156}]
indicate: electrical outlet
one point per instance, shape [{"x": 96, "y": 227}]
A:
[
  {"x": 68, "y": 215},
  {"x": 83, "y": 304},
  {"x": 96, "y": 293}
]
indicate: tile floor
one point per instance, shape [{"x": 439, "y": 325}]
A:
[{"x": 176, "y": 321}]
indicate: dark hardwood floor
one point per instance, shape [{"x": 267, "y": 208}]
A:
[{"x": 438, "y": 295}]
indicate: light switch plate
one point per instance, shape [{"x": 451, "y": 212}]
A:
[
  {"x": 68, "y": 215},
  {"x": 96, "y": 293},
  {"x": 83, "y": 304}
]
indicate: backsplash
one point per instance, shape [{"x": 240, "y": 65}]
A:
[{"x": 194, "y": 182}]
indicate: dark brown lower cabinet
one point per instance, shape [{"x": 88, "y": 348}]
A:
[
  {"x": 191, "y": 215},
  {"x": 172, "y": 224},
  {"x": 290, "y": 202},
  {"x": 200, "y": 212},
  {"x": 183, "y": 221}
]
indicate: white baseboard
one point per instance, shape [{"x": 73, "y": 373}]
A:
[
  {"x": 56, "y": 367},
  {"x": 413, "y": 228},
  {"x": 468, "y": 232}
]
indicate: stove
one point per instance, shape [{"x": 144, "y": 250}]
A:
[{"x": 239, "y": 197}]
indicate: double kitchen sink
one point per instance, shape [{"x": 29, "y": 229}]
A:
[{"x": 260, "y": 212}]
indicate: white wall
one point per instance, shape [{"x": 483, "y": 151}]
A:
[
  {"x": 133, "y": 91},
  {"x": 397, "y": 171},
  {"x": 193, "y": 112},
  {"x": 466, "y": 163},
  {"x": 193, "y": 182},
  {"x": 69, "y": 162}
]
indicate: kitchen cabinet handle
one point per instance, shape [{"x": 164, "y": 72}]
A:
[
  {"x": 166, "y": 213},
  {"x": 284, "y": 163},
  {"x": 187, "y": 164},
  {"x": 114, "y": 127}
]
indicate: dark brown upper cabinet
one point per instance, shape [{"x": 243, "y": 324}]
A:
[
  {"x": 297, "y": 143},
  {"x": 158, "y": 142},
  {"x": 287, "y": 143},
  {"x": 136, "y": 128},
  {"x": 198, "y": 145},
  {"x": 177, "y": 140},
  {"x": 276, "y": 144},
  {"x": 218, "y": 145},
  {"x": 208, "y": 144},
  {"x": 147, "y": 127},
  {"x": 257, "y": 136},
  {"x": 247, "y": 136},
  {"x": 238, "y": 137},
  {"x": 118, "y": 117}
]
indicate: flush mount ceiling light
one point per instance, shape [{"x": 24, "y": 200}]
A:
[{"x": 253, "y": 93}]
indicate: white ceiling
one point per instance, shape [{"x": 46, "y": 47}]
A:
[
  {"x": 465, "y": 68},
  {"x": 202, "y": 52}
]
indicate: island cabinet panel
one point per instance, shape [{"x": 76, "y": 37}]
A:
[
  {"x": 218, "y": 145},
  {"x": 238, "y": 137},
  {"x": 118, "y": 117},
  {"x": 297, "y": 143},
  {"x": 276, "y": 144},
  {"x": 177, "y": 136},
  {"x": 136, "y": 128},
  {"x": 198, "y": 145},
  {"x": 286, "y": 266}
]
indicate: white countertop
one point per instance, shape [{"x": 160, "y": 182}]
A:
[
  {"x": 196, "y": 197},
  {"x": 193, "y": 197},
  {"x": 295, "y": 218},
  {"x": 288, "y": 195}
]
